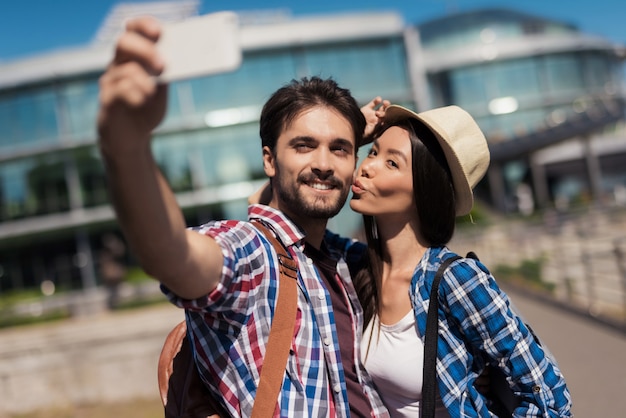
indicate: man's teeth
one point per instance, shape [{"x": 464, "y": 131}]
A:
[{"x": 319, "y": 186}]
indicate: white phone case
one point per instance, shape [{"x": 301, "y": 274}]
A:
[{"x": 200, "y": 46}]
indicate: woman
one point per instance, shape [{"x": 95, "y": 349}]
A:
[{"x": 417, "y": 177}]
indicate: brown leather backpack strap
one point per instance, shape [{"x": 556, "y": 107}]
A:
[
  {"x": 182, "y": 391},
  {"x": 281, "y": 333}
]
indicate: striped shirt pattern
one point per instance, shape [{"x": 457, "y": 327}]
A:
[
  {"x": 229, "y": 327},
  {"x": 477, "y": 323}
]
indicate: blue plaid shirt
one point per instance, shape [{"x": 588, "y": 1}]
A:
[
  {"x": 230, "y": 326},
  {"x": 476, "y": 322}
]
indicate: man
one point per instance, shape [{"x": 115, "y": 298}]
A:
[{"x": 221, "y": 273}]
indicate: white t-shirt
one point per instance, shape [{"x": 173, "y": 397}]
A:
[{"x": 395, "y": 361}]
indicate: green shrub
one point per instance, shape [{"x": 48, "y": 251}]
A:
[
  {"x": 10, "y": 319},
  {"x": 136, "y": 275},
  {"x": 527, "y": 274},
  {"x": 478, "y": 215}
]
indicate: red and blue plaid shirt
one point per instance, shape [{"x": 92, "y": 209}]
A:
[{"x": 229, "y": 327}]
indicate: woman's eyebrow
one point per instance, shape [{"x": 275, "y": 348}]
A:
[{"x": 397, "y": 153}]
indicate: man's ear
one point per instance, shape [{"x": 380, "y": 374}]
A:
[{"x": 269, "y": 162}]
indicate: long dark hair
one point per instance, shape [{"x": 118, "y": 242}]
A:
[{"x": 433, "y": 194}]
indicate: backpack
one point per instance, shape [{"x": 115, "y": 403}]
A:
[{"x": 184, "y": 394}]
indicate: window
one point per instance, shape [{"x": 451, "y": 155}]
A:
[
  {"x": 14, "y": 195},
  {"x": 468, "y": 89},
  {"x": 91, "y": 175},
  {"x": 210, "y": 157},
  {"x": 172, "y": 155},
  {"x": 564, "y": 74},
  {"x": 28, "y": 118},
  {"x": 517, "y": 78},
  {"x": 80, "y": 100},
  {"x": 47, "y": 185},
  {"x": 368, "y": 69}
]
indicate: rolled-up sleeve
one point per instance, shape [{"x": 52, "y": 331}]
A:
[{"x": 491, "y": 327}]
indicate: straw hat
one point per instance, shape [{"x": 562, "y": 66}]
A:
[{"x": 463, "y": 143}]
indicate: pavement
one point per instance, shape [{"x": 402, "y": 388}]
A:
[
  {"x": 591, "y": 355},
  {"x": 104, "y": 358}
]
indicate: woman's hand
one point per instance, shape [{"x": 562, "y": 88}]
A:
[
  {"x": 262, "y": 196},
  {"x": 374, "y": 113}
]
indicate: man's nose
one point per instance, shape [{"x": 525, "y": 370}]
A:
[{"x": 322, "y": 163}]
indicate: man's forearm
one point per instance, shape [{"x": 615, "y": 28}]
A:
[
  {"x": 148, "y": 213},
  {"x": 132, "y": 105}
]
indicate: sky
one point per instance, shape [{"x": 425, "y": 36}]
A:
[{"x": 29, "y": 27}]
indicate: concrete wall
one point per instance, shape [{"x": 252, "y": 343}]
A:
[
  {"x": 103, "y": 358},
  {"x": 583, "y": 255}
]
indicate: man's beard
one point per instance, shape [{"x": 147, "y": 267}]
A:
[{"x": 322, "y": 208}]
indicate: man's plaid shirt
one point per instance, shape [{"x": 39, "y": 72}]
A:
[{"x": 230, "y": 326}]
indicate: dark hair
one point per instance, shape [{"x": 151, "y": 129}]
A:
[
  {"x": 433, "y": 190},
  {"x": 433, "y": 193},
  {"x": 299, "y": 95}
]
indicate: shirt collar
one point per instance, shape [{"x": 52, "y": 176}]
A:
[{"x": 286, "y": 230}]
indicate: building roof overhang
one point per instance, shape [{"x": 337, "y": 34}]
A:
[
  {"x": 436, "y": 60},
  {"x": 73, "y": 62}
]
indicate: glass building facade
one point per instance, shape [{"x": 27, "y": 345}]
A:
[
  {"x": 532, "y": 85},
  {"x": 54, "y": 206},
  {"x": 535, "y": 87}
]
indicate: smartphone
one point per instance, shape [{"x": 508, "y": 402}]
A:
[{"x": 200, "y": 46}]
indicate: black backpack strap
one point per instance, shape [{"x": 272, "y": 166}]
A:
[{"x": 429, "y": 386}]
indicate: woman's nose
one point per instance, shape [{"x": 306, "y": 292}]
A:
[{"x": 364, "y": 169}]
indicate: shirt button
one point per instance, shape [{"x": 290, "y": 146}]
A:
[
  {"x": 326, "y": 341},
  {"x": 337, "y": 388},
  {"x": 536, "y": 388},
  {"x": 309, "y": 261},
  {"x": 321, "y": 296}
]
